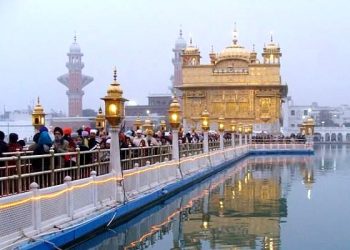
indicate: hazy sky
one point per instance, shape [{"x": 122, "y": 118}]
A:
[{"x": 138, "y": 36}]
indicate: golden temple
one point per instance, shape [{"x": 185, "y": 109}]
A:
[{"x": 235, "y": 85}]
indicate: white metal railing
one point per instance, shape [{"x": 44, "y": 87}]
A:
[{"x": 44, "y": 208}]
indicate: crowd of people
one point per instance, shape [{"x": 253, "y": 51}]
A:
[{"x": 63, "y": 140}]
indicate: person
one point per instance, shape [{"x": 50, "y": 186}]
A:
[
  {"x": 33, "y": 146},
  {"x": 137, "y": 139},
  {"x": 3, "y": 147},
  {"x": 92, "y": 140},
  {"x": 43, "y": 147},
  {"x": 13, "y": 145},
  {"x": 60, "y": 145}
]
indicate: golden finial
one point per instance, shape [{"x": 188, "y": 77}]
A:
[
  {"x": 271, "y": 38},
  {"x": 38, "y": 100},
  {"x": 115, "y": 73},
  {"x": 235, "y": 34}
]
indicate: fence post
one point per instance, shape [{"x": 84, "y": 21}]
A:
[
  {"x": 34, "y": 188},
  {"x": 19, "y": 172},
  {"x": 77, "y": 149},
  {"x": 52, "y": 165},
  {"x": 94, "y": 188},
  {"x": 69, "y": 196}
]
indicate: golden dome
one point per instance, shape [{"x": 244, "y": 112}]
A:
[
  {"x": 38, "y": 109},
  {"x": 190, "y": 49},
  {"x": 271, "y": 45},
  {"x": 114, "y": 89},
  {"x": 235, "y": 51},
  {"x": 310, "y": 121},
  {"x": 174, "y": 104}
]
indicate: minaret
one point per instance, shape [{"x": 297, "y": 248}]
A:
[
  {"x": 180, "y": 45},
  {"x": 75, "y": 81}
]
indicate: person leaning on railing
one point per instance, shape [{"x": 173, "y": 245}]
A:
[{"x": 42, "y": 147}]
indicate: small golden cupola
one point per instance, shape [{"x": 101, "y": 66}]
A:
[
  {"x": 191, "y": 55},
  {"x": 272, "y": 52},
  {"x": 38, "y": 116}
]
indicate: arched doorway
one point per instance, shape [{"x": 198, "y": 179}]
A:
[
  {"x": 327, "y": 137},
  {"x": 340, "y": 137},
  {"x": 317, "y": 137},
  {"x": 333, "y": 137},
  {"x": 347, "y": 137}
]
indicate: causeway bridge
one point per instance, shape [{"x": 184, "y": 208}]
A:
[{"x": 59, "y": 204}]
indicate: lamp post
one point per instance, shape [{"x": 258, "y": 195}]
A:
[
  {"x": 38, "y": 116},
  {"x": 114, "y": 110},
  {"x": 221, "y": 125},
  {"x": 138, "y": 123},
  {"x": 174, "y": 121},
  {"x": 205, "y": 128},
  {"x": 233, "y": 131},
  {"x": 100, "y": 120}
]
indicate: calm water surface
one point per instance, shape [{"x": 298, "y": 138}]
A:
[{"x": 265, "y": 202}]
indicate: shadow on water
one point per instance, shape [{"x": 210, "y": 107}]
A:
[{"x": 243, "y": 206}]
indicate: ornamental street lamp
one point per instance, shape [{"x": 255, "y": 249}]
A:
[
  {"x": 100, "y": 120},
  {"x": 174, "y": 121},
  {"x": 114, "y": 112},
  {"x": 38, "y": 116},
  {"x": 233, "y": 126},
  {"x": 138, "y": 123},
  {"x": 205, "y": 128},
  {"x": 221, "y": 125}
]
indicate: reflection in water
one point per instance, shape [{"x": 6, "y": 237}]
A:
[{"x": 242, "y": 207}]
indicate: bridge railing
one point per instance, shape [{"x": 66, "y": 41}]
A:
[
  {"x": 18, "y": 171},
  {"x": 188, "y": 149},
  {"x": 214, "y": 145},
  {"x": 144, "y": 155},
  {"x": 227, "y": 143}
]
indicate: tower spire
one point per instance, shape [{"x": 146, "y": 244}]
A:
[
  {"x": 180, "y": 32},
  {"x": 38, "y": 100},
  {"x": 75, "y": 37}
]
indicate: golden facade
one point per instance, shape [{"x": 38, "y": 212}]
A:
[{"x": 235, "y": 85}]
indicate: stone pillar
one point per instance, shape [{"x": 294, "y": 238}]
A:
[
  {"x": 205, "y": 142},
  {"x": 221, "y": 140},
  {"x": 175, "y": 144}
]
